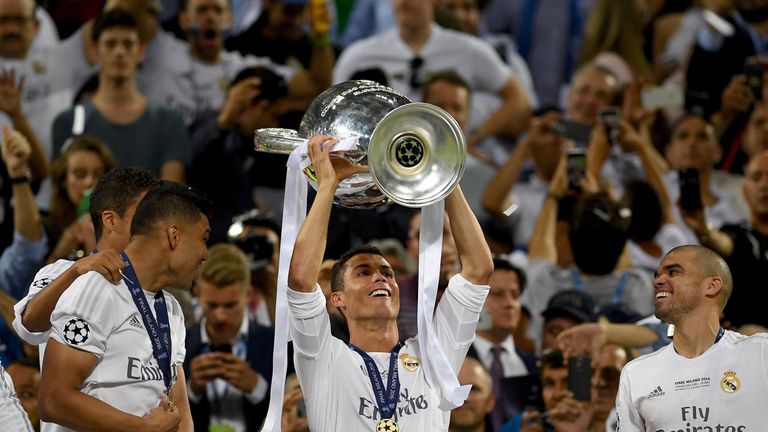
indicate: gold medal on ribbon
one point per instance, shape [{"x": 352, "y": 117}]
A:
[
  {"x": 387, "y": 425},
  {"x": 169, "y": 395}
]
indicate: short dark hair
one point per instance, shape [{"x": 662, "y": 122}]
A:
[
  {"x": 647, "y": 211},
  {"x": 169, "y": 200},
  {"x": 598, "y": 233},
  {"x": 337, "y": 272},
  {"x": 449, "y": 76},
  {"x": 711, "y": 265},
  {"x": 552, "y": 359},
  {"x": 117, "y": 190},
  {"x": 501, "y": 263},
  {"x": 110, "y": 19}
]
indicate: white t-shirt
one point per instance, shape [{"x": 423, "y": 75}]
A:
[
  {"x": 724, "y": 389},
  {"x": 337, "y": 391},
  {"x": 173, "y": 79},
  {"x": 469, "y": 56},
  {"x": 109, "y": 326},
  {"x": 12, "y": 414}
]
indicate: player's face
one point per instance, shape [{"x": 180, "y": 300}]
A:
[
  {"x": 480, "y": 401},
  {"x": 693, "y": 145},
  {"x": 191, "y": 252},
  {"x": 18, "y": 27},
  {"x": 678, "y": 286},
  {"x": 452, "y": 98},
  {"x": 370, "y": 289},
  {"x": 205, "y": 22},
  {"x": 756, "y": 185},
  {"x": 591, "y": 90},
  {"x": 224, "y": 308},
  {"x": 605, "y": 378},
  {"x": 84, "y": 169},
  {"x": 554, "y": 385},
  {"x": 504, "y": 300},
  {"x": 119, "y": 52}
]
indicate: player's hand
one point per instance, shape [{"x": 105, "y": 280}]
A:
[
  {"x": 238, "y": 373},
  {"x": 204, "y": 368},
  {"x": 107, "y": 263},
  {"x": 330, "y": 169},
  {"x": 163, "y": 418}
]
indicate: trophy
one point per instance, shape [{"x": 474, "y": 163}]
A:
[{"x": 415, "y": 151}]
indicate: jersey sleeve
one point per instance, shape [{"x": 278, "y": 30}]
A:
[
  {"x": 629, "y": 419},
  {"x": 42, "y": 279},
  {"x": 84, "y": 316},
  {"x": 456, "y": 318}
]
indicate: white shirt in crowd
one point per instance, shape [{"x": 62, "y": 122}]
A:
[
  {"x": 724, "y": 389},
  {"x": 126, "y": 376},
  {"x": 337, "y": 391},
  {"x": 668, "y": 237}
]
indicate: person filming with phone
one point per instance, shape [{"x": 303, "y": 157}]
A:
[{"x": 228, "y": 355}]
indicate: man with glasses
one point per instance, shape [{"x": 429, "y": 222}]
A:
[{"x": 418, "y": 47}]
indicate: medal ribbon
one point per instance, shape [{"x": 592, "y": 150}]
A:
[
  {"x": 159, "y": 330},
  {"x": 386, "y": 398}
]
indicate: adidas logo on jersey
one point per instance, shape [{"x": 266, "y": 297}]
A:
[
  {"x": 656, "y": 393},
  {"x": 135, "y": 322}
]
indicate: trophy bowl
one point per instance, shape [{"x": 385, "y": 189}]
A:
[{"x": 415, "y": 151}]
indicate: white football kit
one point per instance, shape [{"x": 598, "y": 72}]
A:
[
  {"x": 723, "y": 390},
  {"x": 337, "y": 391},
  {"x": 98, "y": 317}
]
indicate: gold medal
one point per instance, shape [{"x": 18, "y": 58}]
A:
[
  {"x": 387, "y": 425},
  {"x": 169, "y": 395}
]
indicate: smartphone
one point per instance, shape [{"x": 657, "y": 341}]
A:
[
  {"x": 576, "y": 131},
  {"x": 580, "y": 377},
  {"x": 754, "y": 74},
  {"x": 690, "y": 192},
  {"x": 225, "y": 347},
  {"x": 576, "y": 162},
  {"x": 84, "y": 205},
  {"x": 611, "y": 117},
  {"x": 301, "y": 408},
  {"x": 662, "y": 97}
]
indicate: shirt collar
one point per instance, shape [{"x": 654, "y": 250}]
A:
[{"x": 484, "y": 345}]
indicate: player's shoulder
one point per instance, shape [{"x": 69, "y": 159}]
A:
[
  {"x": 738, "y": 340},
  {"x": 48, "y": 274},
  {"x": 646, "y": 362}
]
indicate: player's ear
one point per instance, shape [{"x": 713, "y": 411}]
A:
[
  {"x": 337, "y": 298},
  {"x": 172, "y": 233}
]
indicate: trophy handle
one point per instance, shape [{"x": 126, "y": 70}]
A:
[{"x": 277, "y": 140}]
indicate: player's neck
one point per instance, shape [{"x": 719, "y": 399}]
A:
[
  {"x": 117, "y": 92},
  {"x": 695, "y": 334},
  {"x": 373, "y": 336},
  {"x": 144, "y": 259},
  {"x": 494, "y": 336}
]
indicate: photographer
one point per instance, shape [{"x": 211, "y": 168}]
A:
[{"x": 228, "y": 355}]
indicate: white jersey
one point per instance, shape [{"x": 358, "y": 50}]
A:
[
  {"x": 12, "y": 414},
  {"x": 723, "y": 390},
  {"x": 471, "y": 57},
  {"x": 42, "y": 279},
  {"x": 338, "y": 394},
  {"x": 98, "y": 317},
  {"x": 173, "y": 79}
]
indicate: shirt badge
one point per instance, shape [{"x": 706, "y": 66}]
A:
[
  {"x": 38, "y": 67},
  {"x": 730, "y": 382},
  {"x": 410, "y": 363}
]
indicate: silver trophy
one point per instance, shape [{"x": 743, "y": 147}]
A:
[{"x": 415, "y": 151}]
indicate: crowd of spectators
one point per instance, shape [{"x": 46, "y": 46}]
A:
[{"x": 601, "y": 134}]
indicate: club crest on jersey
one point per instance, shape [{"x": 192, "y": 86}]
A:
[
  {"x": 730, "y": 382},
  {"x": 76, "y": 331},
  {"x": 38, "y": 67},
  {"x": 410, "y": 363}
]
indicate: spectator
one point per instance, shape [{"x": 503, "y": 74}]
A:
[
  {"x": 693, "y": 145},
  {"x": 138, "y": 132},
  {"x": 472, "y": 416},
  {"x": 228, "y": 355},
  {"x": 25, "y": 374},
  {"x": 513, "y": 372},
  {"x": 743, "y": 246},
  {"x": 418, "y": 47},
  {"x": 564, "y": 310},
  {"x": 82, "y": 163}
]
